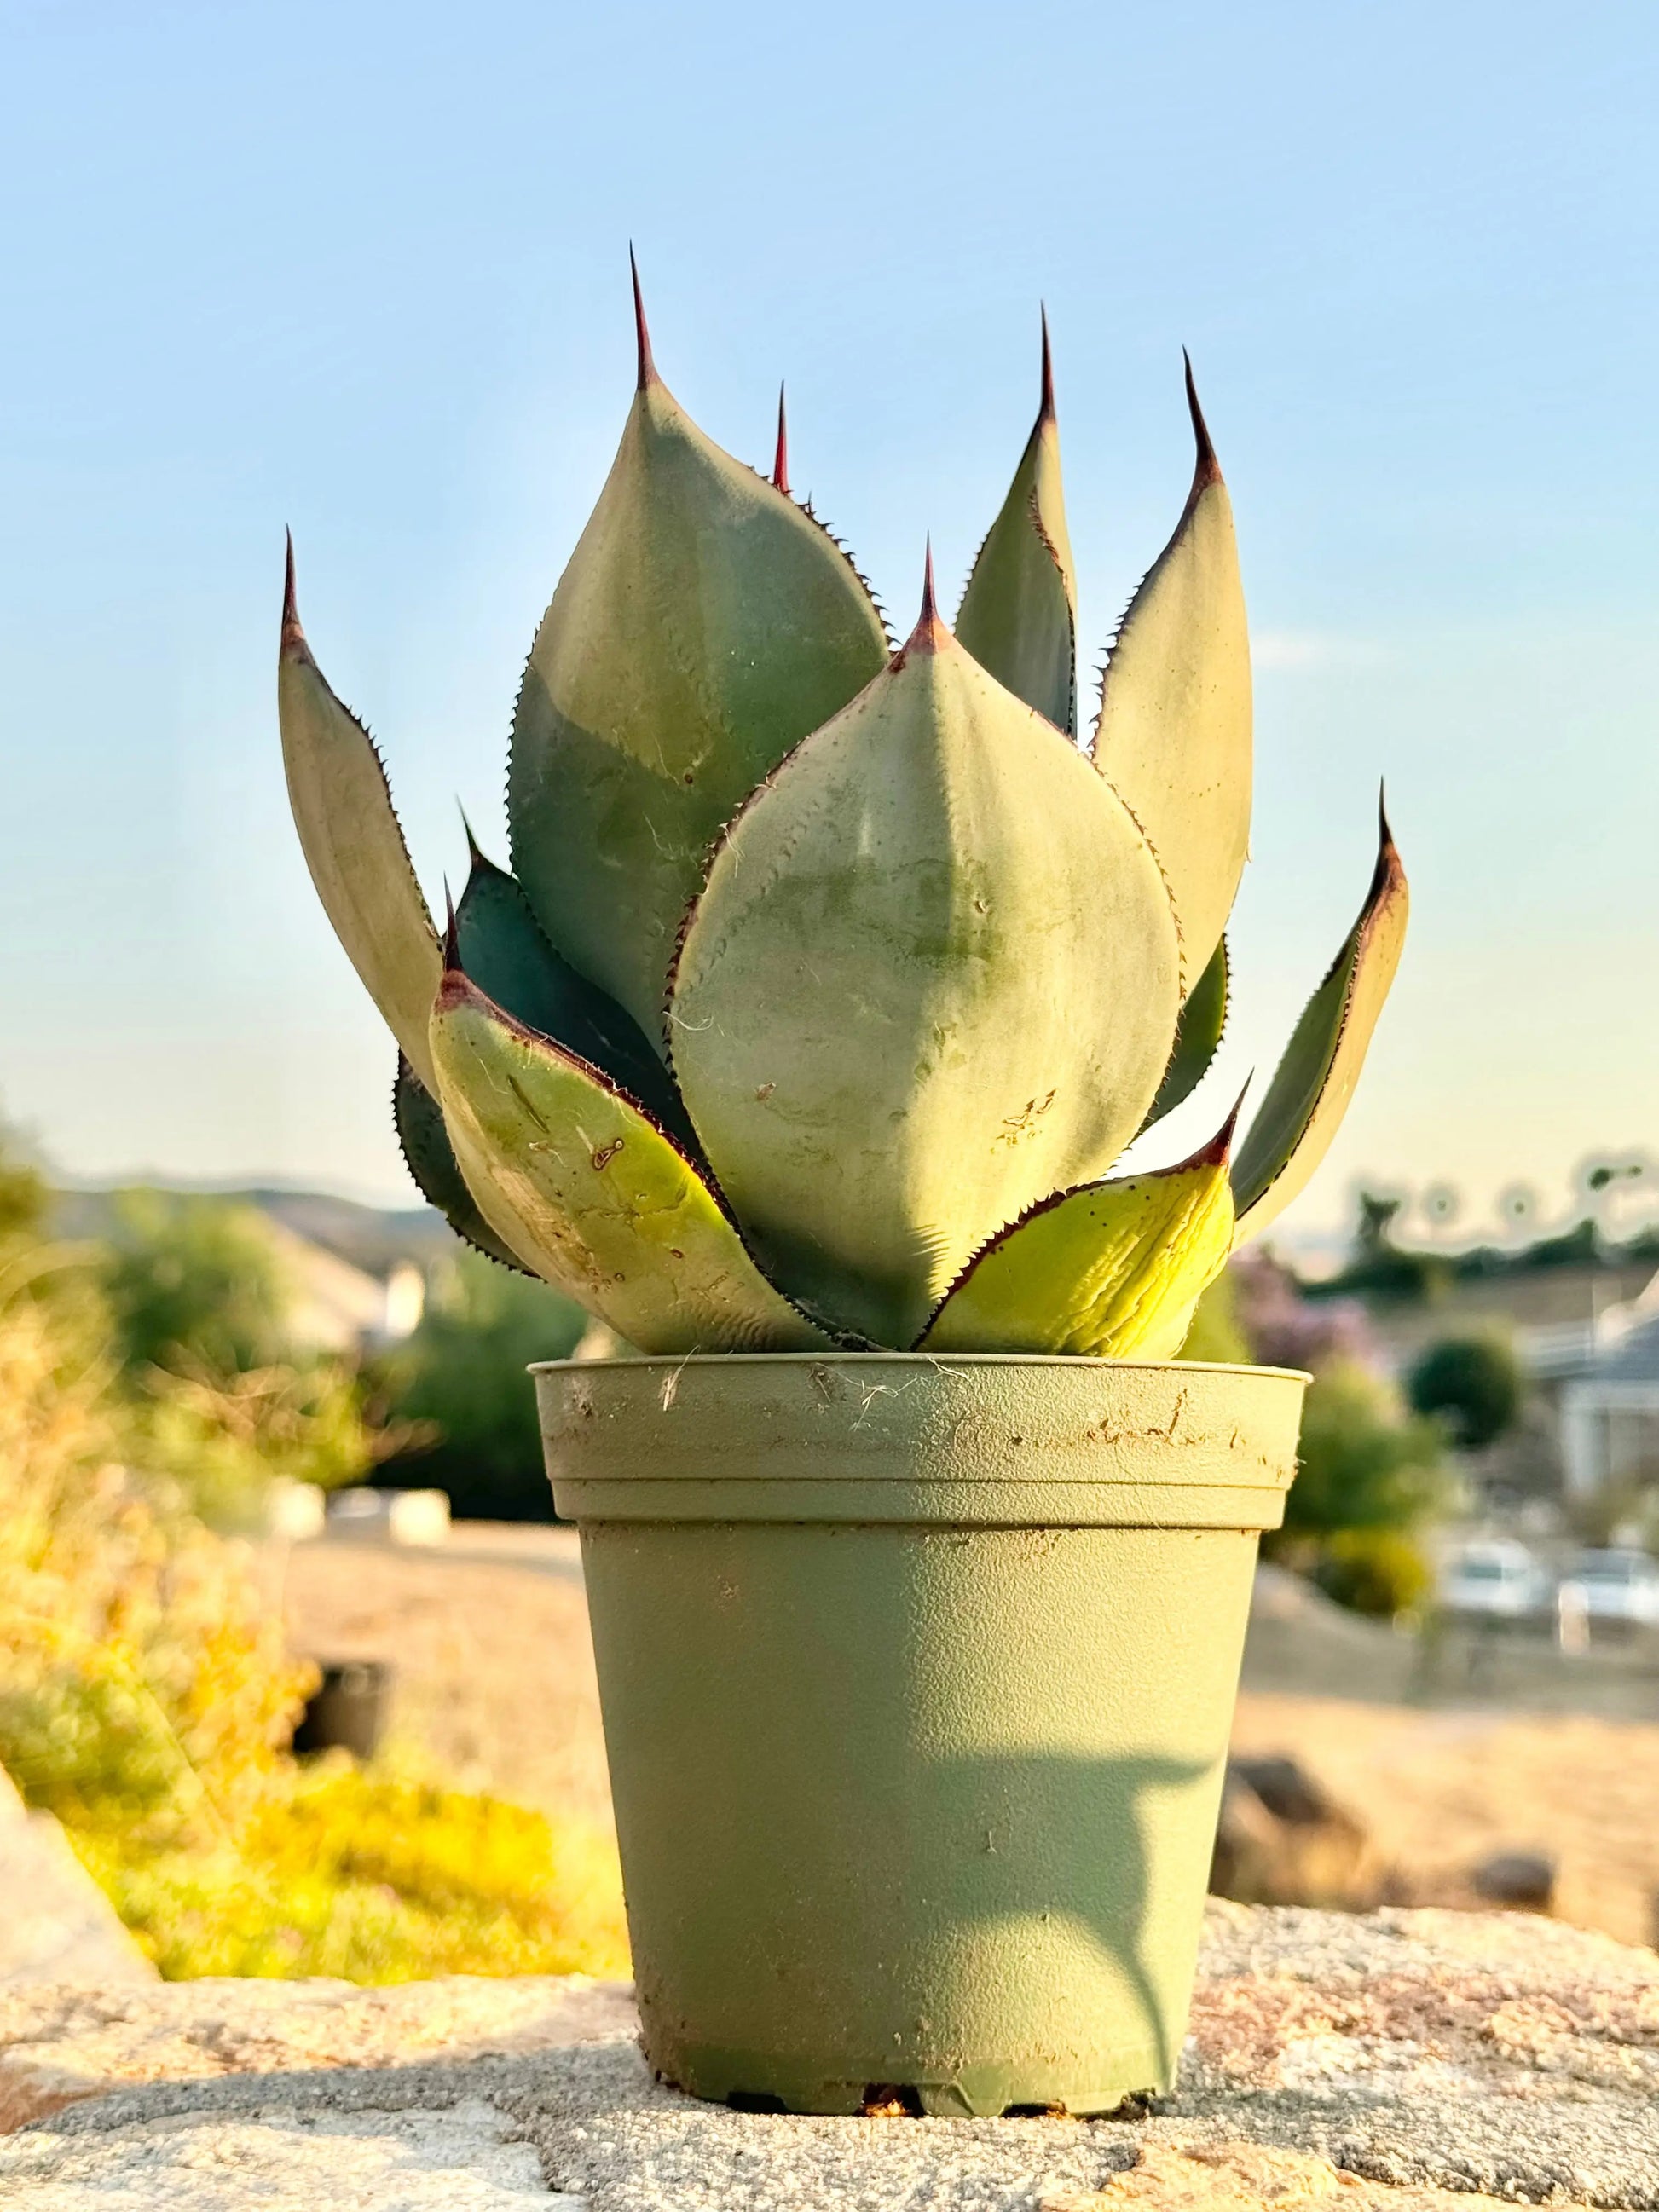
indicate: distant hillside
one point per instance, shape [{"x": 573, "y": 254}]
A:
[{"x": 369, "y": 1237}]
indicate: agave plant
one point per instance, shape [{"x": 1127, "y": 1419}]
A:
[{"x": 830, "y": 980}]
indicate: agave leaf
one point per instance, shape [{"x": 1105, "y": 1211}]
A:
[
  {"x": 595, "y": 1192},
  {"x": 704, "y": 625},
  {"x": 1312, "y": 1085},
  {"x": 1173, "y": 735},
  {"x": 1019, "y": 614},
  {"x": 430, "y": 1158},
  {"x": 931, "y": 978},
  {"x": 505, "y": 950},
  {"x": 1203, "y": 1017},
  {"x": 1110, "y": 1272},
  {"x": 353, "y": 845}
]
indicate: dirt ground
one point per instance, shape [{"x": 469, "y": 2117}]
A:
[
  {"x": 495, "y": 1682},
  {"x": 489, "y": 1637}
]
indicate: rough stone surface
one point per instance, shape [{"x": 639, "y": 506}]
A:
[
  {"x": 459, "y": 2159},
  {"x": 1400, "y": 2062},
  {"x": 59, "y": 2045},
  {"x": 56, "y": 1925}
]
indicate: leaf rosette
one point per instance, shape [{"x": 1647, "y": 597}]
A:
[{"x": 829, "y": 980}]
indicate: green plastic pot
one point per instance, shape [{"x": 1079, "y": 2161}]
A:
[{"x": 917, "y": 1675}]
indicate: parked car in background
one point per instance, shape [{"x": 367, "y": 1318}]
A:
[
  {"x": 1613, "y": 1585},
  {"x": 1495, "y": 1579}
]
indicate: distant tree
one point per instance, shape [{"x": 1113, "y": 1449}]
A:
[
  {"x": 1471, "y": 1383},
  {"x": 1379, "y": 1268},
  {"x": 1363, "y": 1462},
  {"x": 463, "y": 1372},
  {"x": 194, "y": 1283},
  {"x": 24, "y": 1196}
]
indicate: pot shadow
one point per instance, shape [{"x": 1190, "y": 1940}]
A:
[{"x": 1047, "y": 1835}]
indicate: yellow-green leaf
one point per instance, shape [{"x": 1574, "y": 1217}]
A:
[
  {"x": 1173, "y": 735},
  {"x": 1311, "y": 1087},
  {"x": 1019, "y": 614},
  {"x": 430, "y": 1158},
  {"x": 1110, "y": 1272},
  {"x": 932, "y": 978},
  {"x": 353, "y": 845},
  {"x": 578, "y": 1180},
  {"x": 705, "y": 624}
]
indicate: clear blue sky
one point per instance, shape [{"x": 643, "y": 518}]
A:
[{"x": 361, "y": 269}]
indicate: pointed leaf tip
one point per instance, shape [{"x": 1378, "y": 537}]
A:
[
  {"x": 474, "y": 850},
  {"x": 1311, "y": 1087},
  {"x": 1218, "y": 1151},
  {"x": 1207, "y": 469},
  {"x": 647, "y": 367},
  {"x": 929, "y": 629},
  {"x": 292, "y": 633},
  {"x": 1046, "y": 406},
  {"x": 452, "y": 932},
  {"x": 781, "y": 457}
]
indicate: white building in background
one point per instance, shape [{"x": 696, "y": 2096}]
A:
[
  {"x": 335, "y": 1307},
  {"x": 1610, "y": 1415}
]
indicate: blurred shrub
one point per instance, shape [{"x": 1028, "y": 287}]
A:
[
  {"x": 25, "y": 1196},
  {"x": 1369, "y": 1473},
  {"x": 374, "y": 1879},
  {"x": 462, "y": 1373},
  {"x": 1373, "y": 1570},
  {"x": 1472, "y": 1383},
  {"x": 1363, "y": 1462},
  {"x": 198, "y": 1297},
  {"x": 224, "y": 1439},
  {"x": 147, "y": 1697},
  {"x": 194, "y": 1283},
  {"x": 137, "y": 1665}
]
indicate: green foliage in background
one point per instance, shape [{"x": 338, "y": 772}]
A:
[
  {"x": 194, "y": 1283},
  {"x": 147, "y": 1696},
  {"x": 1370, "y": 1476},
  {"x": 1363, "y": 1463},
  {"x": 462, "y": 1375},
  {"x": 1472, "y": 1384},
  {"x": 198, "y": 1296},
  {"x": 137, "y": 1665},
  {"x": 225, "y": 1439},
  {"x": 1378, "y": 1571}
]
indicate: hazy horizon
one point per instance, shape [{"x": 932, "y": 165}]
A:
[{"x": 368, "y": 277}]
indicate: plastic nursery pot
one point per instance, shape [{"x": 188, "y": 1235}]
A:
[
  {"x": 917, "y": 1676},
  {"x": 348, "y": 1710}
]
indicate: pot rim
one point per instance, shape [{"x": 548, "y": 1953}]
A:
[{"x": 934, "y": 1360}]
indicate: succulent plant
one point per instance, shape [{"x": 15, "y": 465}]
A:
[{"x": 831, "y": 980}]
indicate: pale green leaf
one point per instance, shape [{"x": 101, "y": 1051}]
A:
[
  {"x": 1173, "y": 737},
  {"x": 1019, "y": 614},
  {"x": 704, "y": 625},
  {"x": 931, "y": 979},
  {"x": 353, "y": 845},
  {"x": 577, "y": 1179},
  {"x": 1311, "y": 1087}
]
